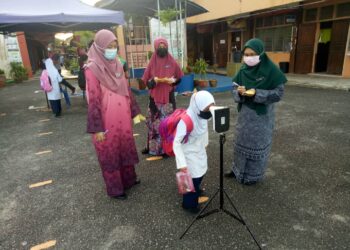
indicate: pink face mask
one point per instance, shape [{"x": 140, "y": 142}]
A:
[{"x": 251, "y": 60}]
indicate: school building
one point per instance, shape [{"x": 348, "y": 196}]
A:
[{"x": 300, "y": 36}]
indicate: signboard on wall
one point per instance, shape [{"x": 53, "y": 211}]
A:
[
  {"x": 14, "y": 54},
  {"x": 290, "y": 18}
]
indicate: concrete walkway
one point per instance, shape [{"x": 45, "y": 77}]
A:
[
  {"x": 319, "y": 81},
  {"x": 310, "y": 80}
]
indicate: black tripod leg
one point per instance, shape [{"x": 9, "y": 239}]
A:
[
  {"x": 199, "y": 215},
  {"x": 240, "y": 219},
  {"x": 233, "y": 215}
]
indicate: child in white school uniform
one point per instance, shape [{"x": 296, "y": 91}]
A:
[{"x": 192, "y": 156}]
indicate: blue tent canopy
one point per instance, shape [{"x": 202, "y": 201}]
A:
[{"x": 55, "y": 16}]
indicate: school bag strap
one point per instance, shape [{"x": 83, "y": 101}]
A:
[{"x": 189, "y": 126}]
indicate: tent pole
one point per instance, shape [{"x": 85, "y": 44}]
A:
[
  {"x": 185, "y": 35},
  {"x": 181, "y": 36},
  {"x": 126, "y": 51},
  {"x": 177, "y": 29},
  {"x": 132, "y": 56},
  {"x": 158, "y": 18}
]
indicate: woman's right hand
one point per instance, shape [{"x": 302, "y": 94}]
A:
[
  {"x": 151, "y": 84},
  {"x": 184, "y": 170},
  {"x": 100, "y": 136},
  {"x": 241, "y": 90}
]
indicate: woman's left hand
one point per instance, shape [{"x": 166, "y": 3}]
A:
[
  {"x": 241, "y": 90},
  {"x": 171, "y": 80}
]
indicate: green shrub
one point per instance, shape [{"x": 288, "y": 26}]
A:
[
  {"x": 18, "y": 72},
  {"x": 73, "y": 64},
  {"x": 2, "y": 72},
  {"x": 200, "y": 67}
]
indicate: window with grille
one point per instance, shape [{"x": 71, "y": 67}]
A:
[
  {"x": 311, "y": 15},
  {"x": 137, "y": 31},
  {"x": 268, "y": 21},
  {"x": 326, "y": 12},
  {"x": 278, "y": 20},
  {"x": 259, "y": 22},
  {"x": 343, "y": 10},
  {"x": 276, "y": 39}
]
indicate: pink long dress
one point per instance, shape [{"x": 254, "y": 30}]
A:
[{"x": 112, "y": 113}]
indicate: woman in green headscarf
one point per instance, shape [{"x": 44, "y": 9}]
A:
[{"x": 257, "y": 86}]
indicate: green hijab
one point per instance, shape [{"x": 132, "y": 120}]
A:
[{"x": 264, "y": 75}]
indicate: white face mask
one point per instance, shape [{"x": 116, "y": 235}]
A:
[
  {"x": 251, "y": 60},
  {"x": 110, "y": 54}
]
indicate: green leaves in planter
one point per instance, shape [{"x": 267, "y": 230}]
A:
[
  {"x": 18, "y": 72},
  {"x": 200, "y": 67}
]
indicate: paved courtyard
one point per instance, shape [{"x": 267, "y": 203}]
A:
[{"x": 302, "y": 204}]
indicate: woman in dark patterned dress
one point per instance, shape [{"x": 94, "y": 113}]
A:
[
  {"x": 261, "y": 84},
  {"x": 161, "y": 76},
  {"x": 111, "y": 107}
]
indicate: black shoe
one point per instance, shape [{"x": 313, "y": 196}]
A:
[
  {"x": 202, "y": 192},
  {"x": 250, "y": 183},
  {"x": 121, "y": 197},
  {"x": 230, "y": 175},
  {"x": 73, "y": 91},
  {"x": 138, "y": 181},
  {"x": 145, "y": 151},
  {"x": 192, "y": 210},
  {"x": 165, "y": 156}
]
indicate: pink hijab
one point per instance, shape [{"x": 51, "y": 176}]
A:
[
  {"x": 161, "y": 67},
  {"x": 109, "y": 73}
]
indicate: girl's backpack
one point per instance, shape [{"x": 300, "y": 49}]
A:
[
  {"x": 45, "y": 82},
  {"x": 167, "y": 129}
]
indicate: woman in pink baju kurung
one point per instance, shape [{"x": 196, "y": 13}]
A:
[{"x": 111, "y": 107}]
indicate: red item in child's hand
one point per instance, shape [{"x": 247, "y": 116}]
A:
[{"x": 184, "y": 182}]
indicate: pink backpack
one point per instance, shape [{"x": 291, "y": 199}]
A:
[
  {"x": 167, "y": 129},
  {"x": 45, "y": 82}
]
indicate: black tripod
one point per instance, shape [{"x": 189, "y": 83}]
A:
[{"x": 221, "y": 191}]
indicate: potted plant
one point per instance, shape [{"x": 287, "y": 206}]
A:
[
  {"x": 2, "y": 78},
  {"x": 213, "y": 83},
  {"x": 200, "y": 68},
  {"x": 18, "y": 72}
]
